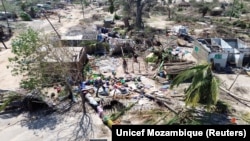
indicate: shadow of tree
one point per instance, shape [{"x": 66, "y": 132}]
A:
[
  {"x": 3, "y": 91},
  {"x": 11, "y": 114},
  {"x": 82, "y": 130},
  {"x": 79, "y": 129},
  {"x": 207, "y": 118},
  {"x": 47, "y": 118},
  {"x": 42, "y": 120},
  {"x": 219, "y": 115}
]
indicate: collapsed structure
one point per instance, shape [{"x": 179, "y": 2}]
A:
[
  {"x": 73, "y": 58},
  {"x": 223, "y": 52}
]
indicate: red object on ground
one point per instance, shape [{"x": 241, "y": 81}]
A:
[
  {"x": 58, "y": 89},
  {"x": 233, "y": 120}
]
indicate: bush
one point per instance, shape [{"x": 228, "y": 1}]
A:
[
  {"x": 116, "y": 17},
  {"x": 180, "y": 9},
  {"x": 25, "y": 17},
  {"x": 241, "y": 24}
]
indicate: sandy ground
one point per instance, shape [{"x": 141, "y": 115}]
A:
[
  {"x": 48, "y": 128},
  {"x": 51, "y": 128}
]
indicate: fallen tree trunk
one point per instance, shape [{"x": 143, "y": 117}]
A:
[
  {"x": 178, "y": 67},
  {"x": 178, "y": 63},
  {"x": 163, "y": 102},
  {"x": 118, "y": 115},
  {"x": 233, "y": 95}
]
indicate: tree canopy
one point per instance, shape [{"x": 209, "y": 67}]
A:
[{"x": 31, "y": 49}]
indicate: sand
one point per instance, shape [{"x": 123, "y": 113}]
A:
[{"x": 52, "y": 127}]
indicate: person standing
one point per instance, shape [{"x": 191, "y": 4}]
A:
[
  {"x": 135, "y": 57},
  {"x": 98, "y": 83},
  {"x": 125, "y": 65}
]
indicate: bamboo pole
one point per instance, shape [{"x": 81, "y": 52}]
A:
[
  {"x": 58, "y": 35},
  {"x": 234, "y": 81}
]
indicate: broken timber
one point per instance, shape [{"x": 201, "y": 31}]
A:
[
  {"x": 177, "y": 69},
  {"x": 233, "y": 95},
  {"x": 178, "y": 63}
]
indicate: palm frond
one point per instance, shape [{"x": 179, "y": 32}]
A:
[
  {"x": 199, "y": 89},
  {"x": 192, "y": 97},
  {"x": 214, "y": 90},
  {"x": 198, "y": 78},
  {"x": 204, "y": 88},
  {"x": 183, "y": 76},
  {"x": 187, "y": 74}
]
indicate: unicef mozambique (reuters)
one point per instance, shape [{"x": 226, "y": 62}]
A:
[{"x": 153, "y": 132}]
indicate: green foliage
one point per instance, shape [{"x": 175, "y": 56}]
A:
[
  {"x": 115, "y": 116},
  {"x": 242, "y": 24},
  {"x": 106, "y": 46},
  {"x": 37, "y": 60},
  {"x": 29, "y": 83},
  {"x": 86, "y": 3},
  {"x": 24, "y": 48},
  {"x": 26, "y": 43},
  {"x": 183, "y": 18},
  {"x": 117, "y": 17},
  {"x": 236, "y": 10},
  {"x": 11, "y": 97},
  {"x": 153, "y": 58},
  {"x": 204, "y": 10},
  {"x": 88, "y": 43},
  {"x": 25, "y": 16},
  {"x": 180, "y": 9},
  {"x": 23, "y": 6},
  {"x": 204, "y": 88},
  {"x": 112, "y": 6},
  {"x": 32, "y": 12}
]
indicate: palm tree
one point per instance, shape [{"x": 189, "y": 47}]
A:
[{"x": 204, "y": 88}]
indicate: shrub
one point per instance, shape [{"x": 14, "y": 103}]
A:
[
  {"x": 117, "y": 17},
  {"x": 241, "y": 24},
  {"x": 25, "y": 17}
]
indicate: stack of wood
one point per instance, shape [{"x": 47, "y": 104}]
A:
[{"x": 177, "y": 67}]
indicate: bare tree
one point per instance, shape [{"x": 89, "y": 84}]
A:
[{"x": 139, "y": 6}]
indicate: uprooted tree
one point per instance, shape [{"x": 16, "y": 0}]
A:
[{"x": 45, "y": 63}]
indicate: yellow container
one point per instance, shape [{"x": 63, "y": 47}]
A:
[{"x": 110, "y": 123}]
